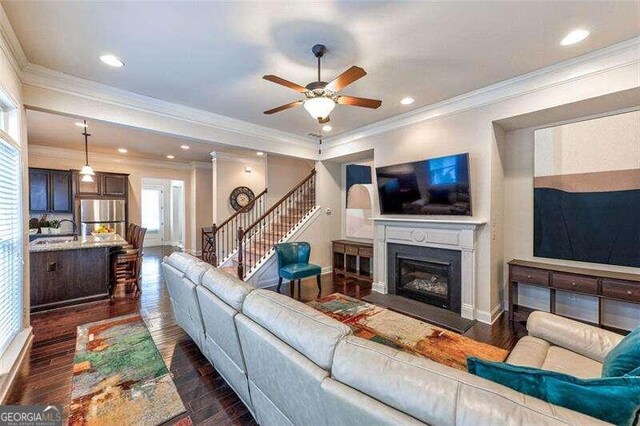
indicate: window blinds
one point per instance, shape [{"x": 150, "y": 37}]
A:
[{"x": 10, "y": 244}]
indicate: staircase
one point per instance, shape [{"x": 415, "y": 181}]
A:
[{"x": 243, "y": 242}]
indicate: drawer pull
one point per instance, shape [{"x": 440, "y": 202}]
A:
[
  {"x": 629, "y": 292},
  {"x": 574, "y": 284},
  {"x": 529, "y": 276}
]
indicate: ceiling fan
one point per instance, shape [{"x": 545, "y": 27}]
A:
[{"x": 321, "y": 97}]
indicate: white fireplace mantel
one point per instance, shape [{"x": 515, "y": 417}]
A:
[{"x": 447, "y": 234}]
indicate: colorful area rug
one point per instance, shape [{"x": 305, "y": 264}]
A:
[
  {"x": 404, "y": 333},
  {"x": 119, "y": 377}
]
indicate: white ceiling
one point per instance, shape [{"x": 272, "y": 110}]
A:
[
  {"x": 212, "y": 55},
  {"x": 60, "y": 131}
]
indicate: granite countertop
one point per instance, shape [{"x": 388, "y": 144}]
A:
[{"x": 67, "y": 243}]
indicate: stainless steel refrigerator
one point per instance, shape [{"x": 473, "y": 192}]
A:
[{"x": 94, "y": 213}]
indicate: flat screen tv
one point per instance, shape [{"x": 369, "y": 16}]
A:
[{"x": 437, "y": 186}]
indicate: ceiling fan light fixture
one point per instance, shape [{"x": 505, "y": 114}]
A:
[{"x": 319, "y": 107}]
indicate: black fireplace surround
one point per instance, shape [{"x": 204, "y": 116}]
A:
[{"x": 426, "y": 274}]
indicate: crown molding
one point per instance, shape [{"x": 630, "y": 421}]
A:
[
  {"x": 596, "y": 62},
  {"x": 74, "y": 154},
  {"x": 226, "y": 156},
  {"x": 10, "y": 44},
  {"x": 201, "y": 165},
  {"x": 42, "y": 77}
]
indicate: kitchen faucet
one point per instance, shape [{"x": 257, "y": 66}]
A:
[{"x": 75, "y": 228}]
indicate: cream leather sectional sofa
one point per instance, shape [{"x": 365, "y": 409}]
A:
[{"x": 291, "y": 364}]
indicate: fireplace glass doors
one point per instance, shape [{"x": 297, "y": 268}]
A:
[{"x": 423, "y": 280}]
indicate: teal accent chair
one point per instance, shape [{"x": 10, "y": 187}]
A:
[{"x": 293, "y": 264}]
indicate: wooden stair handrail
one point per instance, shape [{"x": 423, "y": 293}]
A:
[{"x": 280, "y": 202}]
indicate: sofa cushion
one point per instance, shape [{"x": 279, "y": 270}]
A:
[
  {"x": 310, "y": 332},
  {"x": 437, "y": 394},
  {"x": 625, "y": 357},
  {"x": 575, "y": 336},
  {"x": 615, "y": 400},
  {"x": 181, "y": 261},
  {"x": 529, "y": 352},
  {"x": 219, "y": 325},
  {"x": 196, "y": 270},
  {"x": 227, "y": 287},
  {"x": 561, "y": 360}
]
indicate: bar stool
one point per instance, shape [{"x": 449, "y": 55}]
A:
[{"x": 127, "y": 263}]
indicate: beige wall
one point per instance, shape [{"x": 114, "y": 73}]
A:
[
  {"x": 67, "y": 159},
  {"x": 328, "y": 225},
  {"x": 518, "y": 161},
  {"x": 201, "y": 206},
  {"x": 230, "y": 173},
  {"x": 283, "y": 173}
]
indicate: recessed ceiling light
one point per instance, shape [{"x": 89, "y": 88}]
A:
[
  {"x": 122, "y": 151},
  {"x": 184, "y": 146},
  {"x": 112, "y": 61},
  {"x": 327, "y": 128},
  {"x": 81, "y": 124},
  {"x": 170, "y": 157},
  {"x": 259, "y": 153},
  {"x": 406, "y": 101},
  {"x": 574, "y": 37}
]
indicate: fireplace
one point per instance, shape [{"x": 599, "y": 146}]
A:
[{"x": 426, "y": 274}]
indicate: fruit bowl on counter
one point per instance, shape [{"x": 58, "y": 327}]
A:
[{"x": 104, "y": 232}]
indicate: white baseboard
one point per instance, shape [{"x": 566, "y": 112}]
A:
[
  {"x": 490, "y": 317},
  {"x": 12, "y": 359},
  {"x": 379, "y": 287}
]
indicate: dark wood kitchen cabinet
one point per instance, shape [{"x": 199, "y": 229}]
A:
[
  {"x": 104, "y": 185},
  {"x": 50, "y": 191},
  {"x": 68, "y": 277}
]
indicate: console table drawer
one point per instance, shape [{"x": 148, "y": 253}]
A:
[
  {"x": 621, "y": 290},
  {"x": 529, "y": 275},
  {"x": 365, "y": 251},
  {"x": 577, "y": 283},
  {"x": 339, "y": 248},
  {"x": 352, "y": 250}
]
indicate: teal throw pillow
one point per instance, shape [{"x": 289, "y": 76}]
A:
[
  {"x": 614, "y": 400},
  {"x": 624, "y": 358}
]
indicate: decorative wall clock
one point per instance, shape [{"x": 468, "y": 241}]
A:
[{"x": 240, "y": 197}]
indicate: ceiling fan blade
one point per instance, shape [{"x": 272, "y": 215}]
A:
[
  {"x": 283, "y": 82},
  {"x": 361, "y": 102},
  {"x": 283, "y": 107},
  {"x": 346, "y": 78}
]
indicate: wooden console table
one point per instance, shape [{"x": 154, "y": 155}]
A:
[
  {"x": 600, "y": 284},
  {"x": 353, "y": 261}
]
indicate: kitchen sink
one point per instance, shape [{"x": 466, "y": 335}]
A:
[{"x": 55, "y": 240}]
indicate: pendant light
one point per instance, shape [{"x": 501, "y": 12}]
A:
[{"x": 87, "y": 170}]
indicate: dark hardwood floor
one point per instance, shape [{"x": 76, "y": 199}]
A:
[{"x": 46, "y": 373}]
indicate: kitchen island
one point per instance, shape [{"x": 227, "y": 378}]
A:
[{"x": 65, "y": 272}]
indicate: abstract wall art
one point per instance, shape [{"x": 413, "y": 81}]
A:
[
  {"x": 587, "y": 191},
  {"x": 359, "y": 201}
]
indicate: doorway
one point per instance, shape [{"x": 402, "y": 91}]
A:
[{"x": 162, "y": 212}]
